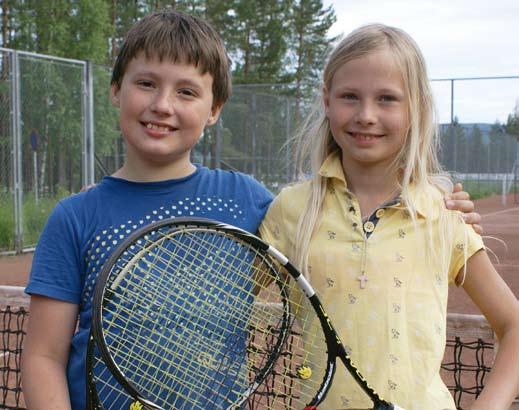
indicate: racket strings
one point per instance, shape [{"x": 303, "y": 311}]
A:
[
  {"x": 152, "y": 261},
  {"x": 301, "y": 368}
]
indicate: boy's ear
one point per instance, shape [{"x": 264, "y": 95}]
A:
[
  {"x": 114, "y": 95},
  {"x": 215, "y": 113}
]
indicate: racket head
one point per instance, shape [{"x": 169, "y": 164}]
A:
[{"x": 174, "y": 311}]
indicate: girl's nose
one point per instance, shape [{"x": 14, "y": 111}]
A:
[{"x": 366, "y": 114}]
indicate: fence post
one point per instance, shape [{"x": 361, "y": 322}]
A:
[
  {"x": 253, "y": 137},
  {"x": 218, "y": 153},
  {"x": 288, "y": 147},
  {"x": 16, "y": 132},
  {"x": 88, "y": 174},
  {"x": 504, "y": 193}
]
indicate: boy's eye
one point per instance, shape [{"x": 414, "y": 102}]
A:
[
  {"x": 145, "y": 83},
  {"x": 187, "y": 92}
]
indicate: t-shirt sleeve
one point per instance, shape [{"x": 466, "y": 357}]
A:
[
  {"x": 57, "y": 266},
  {"x": 466, "y": 243},
  {"x": 273, "y": 228},
  {"x": 260, "y": 199}
]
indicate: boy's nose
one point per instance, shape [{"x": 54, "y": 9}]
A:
[{"x": 163, "y": 103}]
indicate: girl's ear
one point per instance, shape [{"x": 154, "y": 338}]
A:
[
  {"x": 215, "y": 113},
  {"x": 326, "y": 100},
  {"x": 114, "y": 95}
]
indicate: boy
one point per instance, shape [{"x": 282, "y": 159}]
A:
[
  {"x": 171, "y": 80},
  {"x": 167, "y": 91}
]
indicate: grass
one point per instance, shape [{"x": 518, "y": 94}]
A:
[
  {"x": 483, "y": 188},
  {"x": 34, "y": 217}
]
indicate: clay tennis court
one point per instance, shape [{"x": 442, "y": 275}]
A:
[{"x": 501, "y": 225}]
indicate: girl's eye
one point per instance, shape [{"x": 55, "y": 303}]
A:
[
  {"x": 349, "y": 96},
  {"x": 387, "y": 98}
]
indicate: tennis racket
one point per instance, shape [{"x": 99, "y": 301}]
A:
[{"x": 196, "y": 314}]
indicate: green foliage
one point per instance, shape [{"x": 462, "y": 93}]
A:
[
  {"x": 310, "y": 42},
  {"x": 6, "y": 224},
  {"x": 512, "y": 124},
  {"x": 34, "y": 216}
]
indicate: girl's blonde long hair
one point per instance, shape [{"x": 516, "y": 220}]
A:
[{"x": 417, "y": 158}]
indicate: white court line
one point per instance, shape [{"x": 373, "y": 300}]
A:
[{"x": 504, "y": 211}]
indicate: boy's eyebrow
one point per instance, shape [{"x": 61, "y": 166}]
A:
[{"x": 182, "y": 80}]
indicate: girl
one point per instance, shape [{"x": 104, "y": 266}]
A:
[{"x": 370, "y": 231}]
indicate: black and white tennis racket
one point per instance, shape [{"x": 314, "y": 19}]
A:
[{"x": 196, "y": 314}]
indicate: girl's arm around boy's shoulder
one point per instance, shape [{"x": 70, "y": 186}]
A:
[
  {"x": 501, "y": 308},
  {"x": 45, "y": 353}
]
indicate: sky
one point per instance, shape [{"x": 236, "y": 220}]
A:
[{"x": 459, "y": 38}]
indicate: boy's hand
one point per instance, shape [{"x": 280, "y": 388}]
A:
[{"x": 460, "y": 201}]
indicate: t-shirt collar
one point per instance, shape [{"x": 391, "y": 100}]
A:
[{"x": 332, "y": 168}]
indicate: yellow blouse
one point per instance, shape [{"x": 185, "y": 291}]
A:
[{"x": 386, "y": 299}]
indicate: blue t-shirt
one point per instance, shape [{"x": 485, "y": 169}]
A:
[{"x": 84, "y": 229}]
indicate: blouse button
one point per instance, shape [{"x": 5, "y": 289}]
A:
[
  {"x": 379, "y": 213},
  {"x": 369, "y": 226}
]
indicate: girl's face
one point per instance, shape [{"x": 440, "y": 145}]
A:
[{"x": 366, "y": 107}]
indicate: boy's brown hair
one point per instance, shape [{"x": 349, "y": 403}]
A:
[{"x": 178, "y": 37}]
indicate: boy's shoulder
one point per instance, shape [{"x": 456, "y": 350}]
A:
[{"x": 232, "y": 179}]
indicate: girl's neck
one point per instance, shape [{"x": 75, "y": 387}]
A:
[{"x": 372, "y": 187}]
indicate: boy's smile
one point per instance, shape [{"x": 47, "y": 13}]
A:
[{"x": 164, "y": 108}]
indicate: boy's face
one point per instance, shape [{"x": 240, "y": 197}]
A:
[{"x": 164, "y": 107}]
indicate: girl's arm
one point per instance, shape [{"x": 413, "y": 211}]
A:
[
  {"x": 45, "y": 353},
  {"x": 501, "y": 308}
]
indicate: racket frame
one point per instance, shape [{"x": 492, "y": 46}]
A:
[{"x": 97, "y": 337}]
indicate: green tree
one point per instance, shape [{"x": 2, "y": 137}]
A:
[
  {"x": 512, "y": 123},
  {"x": 476, "y": 151},
  {"x": 497, "y": 148},
  {"x": 90, "y": 28},
  {"x": 260, "y": 40},
  {"x": 309, "y": 44}
]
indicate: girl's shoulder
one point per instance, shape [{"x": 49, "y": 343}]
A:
[
  {"x": 289, "y": 202},
  {"x": 296, "y": 190},
  {"x": 428, "y": 199}
]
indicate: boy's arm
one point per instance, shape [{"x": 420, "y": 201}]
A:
[
  {"x": 501, "y": 308},
  {"x": 45, "y": 354},
  {"x": 459, "y": 200}
]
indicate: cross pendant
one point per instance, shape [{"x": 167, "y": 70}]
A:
[{"x": 362, "y": 279}]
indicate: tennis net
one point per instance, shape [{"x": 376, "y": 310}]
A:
[{"x": 468, "y": 356}]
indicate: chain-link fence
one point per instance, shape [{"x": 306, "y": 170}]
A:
[
  {"x": 42, "y": 123},
  {"x": 59, "y": 132},
  {"x": 477, "y": 147}
]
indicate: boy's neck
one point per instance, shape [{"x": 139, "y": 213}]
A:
[{"x": 154, "y": 172}]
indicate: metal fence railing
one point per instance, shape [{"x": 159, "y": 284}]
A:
[{"x": 59, "y": 132}]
